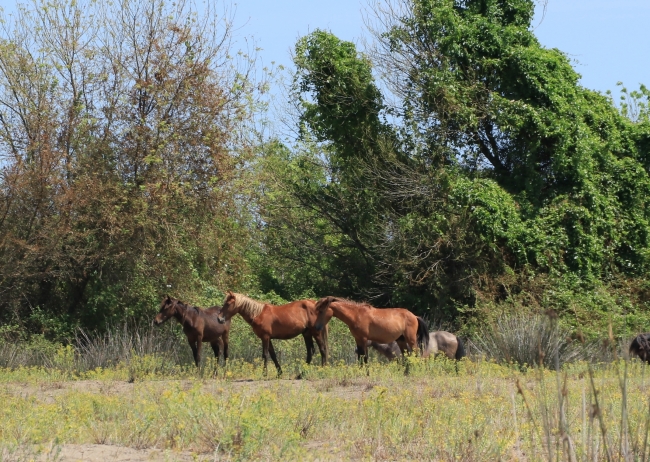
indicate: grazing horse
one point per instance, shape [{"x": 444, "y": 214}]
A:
[
  {"x": 278, "y": 322},
  {"x": 381, "y": 325},
  {"x": 640, "y": 347},
  {"x": 199, "y": 326},
  {"x": 446, "y": 343},
  {"x": 439, "y": 341},
  {"x": 388, "y": 350}
]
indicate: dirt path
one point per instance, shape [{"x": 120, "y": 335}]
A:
[{"x": 99, "y": 453}]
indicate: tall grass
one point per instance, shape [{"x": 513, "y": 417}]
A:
[
  {"x": 535, "y": 340},
  {"x": 523, "y": 340},
  {"x": 119, "y": 344}
]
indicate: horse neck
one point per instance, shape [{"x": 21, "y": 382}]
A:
[
  {"x": 345, "y": 313},
  {"x": 245, "y": 314},
  {"x": 183, "y": 313}
]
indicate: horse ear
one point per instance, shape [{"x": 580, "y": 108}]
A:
[{"x": 230, "y": 294}]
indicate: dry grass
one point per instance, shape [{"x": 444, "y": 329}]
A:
[{"x": 485, "y": 412}]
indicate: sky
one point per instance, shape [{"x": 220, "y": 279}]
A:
[{"x": 607, "y": 40}]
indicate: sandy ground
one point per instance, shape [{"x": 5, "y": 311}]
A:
[
  {"x": 47, "y": 392},
  {"x": 103, "y": 452}
]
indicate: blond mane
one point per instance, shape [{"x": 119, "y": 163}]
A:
[{"x": 248, "y": 306}]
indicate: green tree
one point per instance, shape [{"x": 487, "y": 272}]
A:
[{"x": 491, "y": 163}]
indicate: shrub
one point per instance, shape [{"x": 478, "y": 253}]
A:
[{"x": 532, "y": 340}]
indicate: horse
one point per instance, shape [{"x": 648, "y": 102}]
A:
[
  {"x": 439, "y": 341},
  {"x": 446, "y": 343},
  {"x": 281, "y": 322},
  {"x": 381, "y": 325},
  {"x": 640, "y": 347},
  {"x": 199, "y": 326},
  {"x": 388, "y": 350}
]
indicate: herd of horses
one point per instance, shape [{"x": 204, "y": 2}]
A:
[{"x": 392, "y": 332}]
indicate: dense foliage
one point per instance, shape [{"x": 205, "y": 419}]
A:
[
  {"x": 491, "y": 175},
  {"x": 457, "y": 168}
]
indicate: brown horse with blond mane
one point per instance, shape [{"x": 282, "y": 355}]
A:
[
  {"x": 281, "y": 322},
  {"x": 381, "y": 325},
  {"x": 199, "y": 326}
]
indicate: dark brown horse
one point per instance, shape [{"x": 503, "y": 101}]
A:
[
  {"x": 640, "y": 347},
  {"x": 199, "y": 326},
  {"x": 381, "y": 325},
  {"x": 278, "y": 322},
  {"x": 439, "y": 342}
]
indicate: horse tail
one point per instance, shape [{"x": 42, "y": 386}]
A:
[
  {"x": 423, "y": 334},
  {"x": 460, "y": 349}
]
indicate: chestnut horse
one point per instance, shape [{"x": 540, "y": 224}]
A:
[
  {"x": 199, "y": 326},
  {"x": 439, "y": 342},
  {"x": 381, "y": 325},
  {"x": 278, "y": 322}
]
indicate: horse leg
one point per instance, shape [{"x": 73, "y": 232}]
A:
[
  {"x": 194, "y": 352},
  {"x": 322, "y": 347},
  {"x": 216, "y": 348},
  {"x": 225, "y": 336},
  {"x": 199, "y": 345},
  {"x": 309, "y": 343},
  {"x": 274, "y": 358},
  {"x": 265, "y": 353},
  {"x": 362, "y": 350},
  {"x": 359, "y": 351},
  {"x": 401, "y": 343}
]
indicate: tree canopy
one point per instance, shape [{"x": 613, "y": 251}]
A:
[
  {"x": 456, "y": 167},
  {"x": 491, "y": 161}
]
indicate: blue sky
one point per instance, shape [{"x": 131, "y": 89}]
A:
[{"x": 608, "y": 40}]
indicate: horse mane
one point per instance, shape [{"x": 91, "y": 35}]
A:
[
  {"x": 331, "y": 299},
  {"x": 248, "y": 306}
]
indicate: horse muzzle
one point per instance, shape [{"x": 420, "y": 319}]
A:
[
  {"x": 318, "y": 326},
  {"x": 221, "y": 320}
]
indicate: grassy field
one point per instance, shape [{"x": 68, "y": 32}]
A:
[
  {"x": 484, "y": 412},
  {"x": 138, "y": 389}
]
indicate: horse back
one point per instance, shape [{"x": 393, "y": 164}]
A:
[
  {"x": 285, "y": 321},
  {"x": 211, "y": 326},
  {"x": 445, "y": 342}
]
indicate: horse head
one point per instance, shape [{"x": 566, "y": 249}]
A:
[
  {"x": 167, "y": 310},
  {"x": 229, "y": 309},
  {"x": 322, "y": 306}
]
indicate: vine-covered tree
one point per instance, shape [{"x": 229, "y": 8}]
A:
[{"x": 484, "y": 160}]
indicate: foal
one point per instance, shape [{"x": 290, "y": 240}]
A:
[
  {"x": 381, "y": 325},
  {"x": 199, "y": 326},
  {"x": 278, "y": 322}
]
